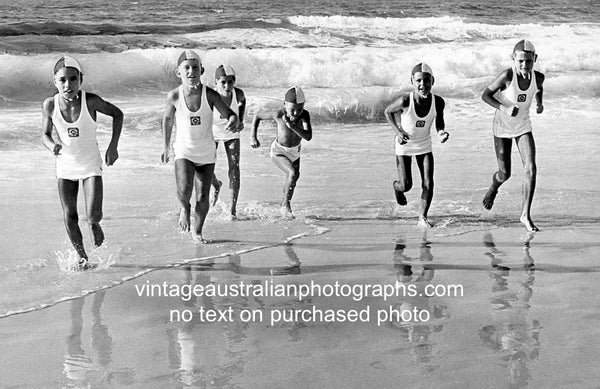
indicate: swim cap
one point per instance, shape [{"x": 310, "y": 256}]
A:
[
  {"x": 421, "y": 68},
  {"x": 224, "y": 71},
  {"x": 188, "y": 55},
  {"x": 67, "y": 62},
  {"x": 295, "y": 95},
  {"x": 524, "y": 45}
]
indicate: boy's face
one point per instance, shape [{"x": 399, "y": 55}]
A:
[
  {"x": 225, "y": 84},
  {"x": 293, "y": 110},
  {"x": 523, "y": 61},
  {"x": 67, "y": 81},
  {"x": 190, "y": 71},
  {"x": 422, "y": 83}
]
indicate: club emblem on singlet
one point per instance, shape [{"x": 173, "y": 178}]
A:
[
  {"x": 521, "y": 98},
  {"x": 195, "y": 120},
  {"x": 420, "y": 123},
  {"x": 73, "y": 132}
]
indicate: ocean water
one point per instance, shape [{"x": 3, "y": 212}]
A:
[{"x": 352, "y": 59}]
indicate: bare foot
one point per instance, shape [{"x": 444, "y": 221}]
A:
[
  {"x": 184, "y": 219},
  {"x": 529, "y": 224},
  {"x": 286, "y": 212},
  {"x": 83, "y": 264},
  {"x": 400, "y": 198},
  {"x": 215, "y": 196},
  {"x": 424, "y": 223},
  {"x": 488, "y": 199},
  {"x": 198, "y": 238},
  {"x": 97, "y": 234}
]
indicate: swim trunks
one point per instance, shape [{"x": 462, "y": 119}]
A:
[
  {"x": 291, "y": 153},
  {"x": 505, "y": 126},
  {"x": 194, "y": 138},
  {"x": 417, "y": 128},
  {"x": 79, "y": 156}
]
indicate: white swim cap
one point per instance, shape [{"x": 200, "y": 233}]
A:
[
  {"x": 524, "y": 45},
  {"x": 224, "y": 71},
  {"x": 189, "y": 55},
  {"x": 421, "y": 68},
  {"x": 295, "y": 95},
  {"x": 67, "y": 62}
]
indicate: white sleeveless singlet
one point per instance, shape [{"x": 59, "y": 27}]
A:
[
  {"x": 505, "y": 126},
  {"x": 417, "y": 128},
  {"x": 194, "y": 139},
  {"x": 79, "y": 156},
  {"x": 219, "y": 123}
]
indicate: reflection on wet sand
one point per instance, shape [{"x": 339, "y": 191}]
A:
[
  {"x": 512, "y": 333},
  {"x": 418, "y": 333},
  {"x": 212, "y": 355},
  {"x": 92, "y": 367}
]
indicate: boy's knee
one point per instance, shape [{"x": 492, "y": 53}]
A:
[
  {"x": 427, "y": 185},
  {"x": 502, "y": 175},
  {"x": 203, "y": 198},
  {"x": 71, "y": 215},
  {"x": 403, "y": 185},
  {"x": 294, "y": 175},
  {"x": 530, "y": 170}
]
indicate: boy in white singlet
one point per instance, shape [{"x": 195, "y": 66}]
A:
[
  {"x": 72, "y": 112},
  {"x": 417, "y": 112},
  {"x": 512, "y": 94},
  {"x": 235, "y": 99},
  {"x": 293, "y": 125},
  {"x": 191, "y": 107}
]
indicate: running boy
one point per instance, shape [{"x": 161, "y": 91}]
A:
[
  {"x": 72, "y": 112},
  {"x": 512, "y": 93},
  {"x": 293, "y": 125},
  {"x": 192, "y": 106},
  {"x": 234, "y": 98},
  {"x": 418, "y": 110}
]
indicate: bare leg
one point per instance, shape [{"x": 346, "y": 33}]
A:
[
  {"x": 404, "y": 183},
  {"x": 232, "y": 148},
  {"x": 204, "y": 175},
  {"x": 425, "y": 164},
  {"x": 216, "y": 183},
  {"x": 526, "y": 146},
  {"x": 503, "y": 147},
  {"x": 292, "y": 173},
  {"x": 94, "y": 192},
  {"x": 184, "y": 176},
  {"x": 67, "y": 191}
]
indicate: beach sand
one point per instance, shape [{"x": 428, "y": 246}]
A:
[{"x": 527, "y": 316}]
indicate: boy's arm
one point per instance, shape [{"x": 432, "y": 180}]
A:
[
  {"x": 97, "y": 104},
  {"x": 440, "y": 124},
  {"x": 304, "y": 131},
  {"x": 47, "y": 140},
  {"x": 396, "y": 108},
  {"x": 215, "y": 100},
  {"x": 261, "y": 114},
  {"x": 539, "y": 79},
  {"x": 241, "y": 99},
  {"x": 167, "y": 126},
  {"x": 500, "y": 83}
]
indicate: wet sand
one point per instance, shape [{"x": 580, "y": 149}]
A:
[{"x": 527, "y": 316}]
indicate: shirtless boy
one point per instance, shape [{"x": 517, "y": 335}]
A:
[{"x": 293, "y": 125}]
